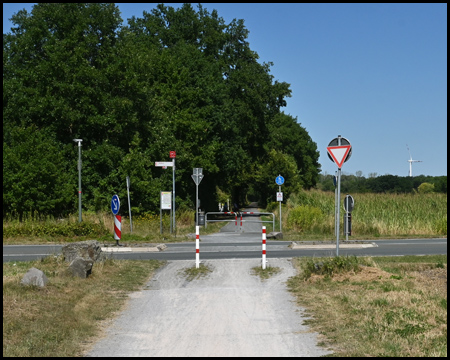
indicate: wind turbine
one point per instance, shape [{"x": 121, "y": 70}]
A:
[{"x": 411, "y": 161}]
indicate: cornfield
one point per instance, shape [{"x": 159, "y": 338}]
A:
[{"x": 412, "y": 214}]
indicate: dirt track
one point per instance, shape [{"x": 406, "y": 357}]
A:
[{"x": 229, "y": 312}]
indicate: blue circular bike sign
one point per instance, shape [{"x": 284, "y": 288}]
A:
[
  {"x": 115, "y": 204},
  {"x": 279, "y": 180}
]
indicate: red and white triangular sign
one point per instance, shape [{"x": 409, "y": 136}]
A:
[{"x": 339, "y": 153}]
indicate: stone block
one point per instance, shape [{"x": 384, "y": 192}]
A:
[
  {"x": 89, "y": 249},
  {"x": 274, "y": 235},
  {"x": 34, "y": 277},
  {"x": 81, "y": 267}
]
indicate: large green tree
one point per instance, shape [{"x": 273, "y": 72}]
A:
[{"x": 173, "y": 79}]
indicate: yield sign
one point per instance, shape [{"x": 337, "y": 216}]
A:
[{"x": 339, "y": 153}]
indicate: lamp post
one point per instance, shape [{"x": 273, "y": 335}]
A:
[{"x": 79, "y": 177}]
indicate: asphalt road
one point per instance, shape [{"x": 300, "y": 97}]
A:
[{"x": 242, "y": 247}]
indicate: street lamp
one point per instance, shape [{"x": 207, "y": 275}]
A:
[{"x": 79, "y": 177}]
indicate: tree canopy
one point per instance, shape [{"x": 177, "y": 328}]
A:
[{"x": 174, "y": 79}]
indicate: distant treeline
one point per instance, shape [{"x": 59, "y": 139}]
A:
[{"x": 385, "y": 184}]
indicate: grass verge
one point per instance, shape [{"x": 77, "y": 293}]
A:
[
  {"x": 63, "y": 317},
  {"x": 193, "y": 272},
  {"x": 384, "y": 306},
  {"x": 266, "y": 273}
]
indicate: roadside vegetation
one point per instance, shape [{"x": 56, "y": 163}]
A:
[
  {"x": 68, "y": 314},
  {"x": 193, "y": 272},
  {"x": 266, "y": 273},
  {"x": 35, "y": 229},
  {"x": 307, "y": 215},
  {"x": 383, "y": 306}
]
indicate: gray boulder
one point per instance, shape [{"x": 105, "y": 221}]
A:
[
  {"x": 81, "y": 267},
  {"x": 274, "y": 235},
  {"x": 88, "y": 250},
  {"x": 34, "y": 277}
]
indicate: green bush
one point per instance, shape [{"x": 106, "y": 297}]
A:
[
  {"x": 332, "y": 265},
  {"x": 304, "y": 218}
]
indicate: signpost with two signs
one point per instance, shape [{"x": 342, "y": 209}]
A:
[{"x": 279, "y": 180}]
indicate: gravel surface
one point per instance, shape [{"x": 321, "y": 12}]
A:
[{"x": 228, "y": 312}]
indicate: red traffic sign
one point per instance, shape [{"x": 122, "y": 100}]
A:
[
  {"x": 173, "y": 154},
  {"x": 339, "y": 150},
  {"x": 339, "y": 153}
]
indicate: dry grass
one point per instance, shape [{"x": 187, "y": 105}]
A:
[
  {"x": 389, "y": 309},
  {"x": 60, "y": 319}
]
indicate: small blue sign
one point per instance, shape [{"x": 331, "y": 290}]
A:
[
  {"x": 115, "y": 204},
  {"x": 279, "y": 180}
]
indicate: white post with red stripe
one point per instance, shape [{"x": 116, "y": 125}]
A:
[
  {"x": 263, "y": 247},
  {"x": 197, "y": 247},
  {"x": 117, "y": 228}
]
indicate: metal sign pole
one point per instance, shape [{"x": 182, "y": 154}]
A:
[
  {"x": 197, "y": 176},
  {"x": 338, "y": 211},
  {"x": 279, "y": 189},
  {"x": 173, "y": 200},
  {"x": 79, "y": 177},
  {"x": 196, "y": 204},
  {"x": 160, "y": 219},
  {"x": 335, "y": 203},
  {"x": 129, "y": 203},
  {"x": 346, "y": 218}
]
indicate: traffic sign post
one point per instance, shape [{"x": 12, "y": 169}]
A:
[
  {"x": 165, "y": 204},
  {"x": 115, "y": 204},
  {"x": 173, "y": 155},
  {"x": 115, "y": 207},
  {"x": 279, "y": 180},
  {"x": 197, "y": 176},
  {"x": 129, "y": 203},
  {"x": 335, "y": 203},
  {"x": 164, "y": 165},
  {"x": 349, "y": 203},
  {"x": 339, "y": 151}
]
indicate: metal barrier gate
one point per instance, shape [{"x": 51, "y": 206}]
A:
[{"x": 239, "y": 214}]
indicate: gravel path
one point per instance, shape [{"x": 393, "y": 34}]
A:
[{"x": 229, "y": 312}]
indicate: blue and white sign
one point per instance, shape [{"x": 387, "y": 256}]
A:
[
  {"x": 115, "y": 204},
  {"x": 279, "y": 180}
]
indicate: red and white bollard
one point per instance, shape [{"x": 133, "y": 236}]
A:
[
  {"x": 197, "y": 247},
  {"x": 263, "y": 247},
  {"x": 117, "y": 228}
]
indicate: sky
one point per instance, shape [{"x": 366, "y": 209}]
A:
[{"x": 375, "y": 74}]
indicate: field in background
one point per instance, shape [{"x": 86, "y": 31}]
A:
[{"x": 308, "y": 215}]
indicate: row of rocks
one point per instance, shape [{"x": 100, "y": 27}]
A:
[{"x": 81, "y": 257}]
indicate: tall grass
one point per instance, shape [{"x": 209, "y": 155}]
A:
[
  {"x": 307, "y": 213},
  {"x": 100, "y": 226},
  {"x": 312, "y": 212}
]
